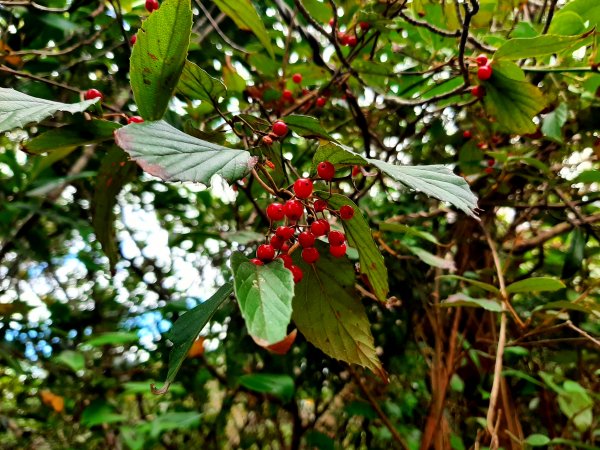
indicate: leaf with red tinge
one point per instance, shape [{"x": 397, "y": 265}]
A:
[
  {"x": 281, "y": 347},
  {"x": 115, "y": 172},
  {"x": 170, "y": 154}
]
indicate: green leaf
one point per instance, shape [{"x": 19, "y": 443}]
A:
[
  {"x": 281, "y": 386},
  {"x": 587, "y": 9},
  {"x": 73, "y": 135},
  {"x": 566, "y": 23},
  {"x": 575, "y": 254},
  {"x": 511, "y": 100},
  {"x": 98, "y": 413},
  {"x": 330, "y": 316},
  {"x": 307, "y": 126},
  {"x": 358, "y": 233},
  {"x": 115, "y": 172},
  {"x": 158, "y": 57},
  {"x": 265, "y": 295},
  {"x": 464, "y": 300},
  {"x": 431, "y": 259},
  {"x": 554, "y": 121},
  {"x": 196, "y": 84},
  {"x": 565, "y": 304},
  {"x": 244, "y": 15},
  {"x": 73, "y": 360},
  {"x": 18, "y": 109},
  {"x": 112, "y": 338},
  {"x": 186, "y": 329},
  {"x": 174, "y": 420},
  {"x": 547, "y": 44},
  {"x": 536, "y": 284},
  {"x": 405, "y": 229},
  {"x": 588, "y": 177},
  {"x": 576, "y": 404},
  {"x": 436, "y": 180},
  {"x": 537, "y": 440},
  {"x": 165, "y": 152},
  {"x": 479, "y": 284}
]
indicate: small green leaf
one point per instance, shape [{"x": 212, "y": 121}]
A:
[
  {"x": 113, "y": 338},
  {"x": 73, "y": 360},
  {"x": 554, "y": 121},
  {"x": 244, "y": 15},
  {"x": 115, "y": 172},
  {"x": 405, "y": 229},
  {"x": 575, "y": 254},
  {"x": 265, "y": 295},
  {"x": 567, "y": 23},
  {"x": 158, "y": 57},
  {"x": 547, "y": 44},
  {"x": 329, "y": 314},
  {"x": 98, "y": 413},
  {"x": 536, "y": 284},
  {"x": 165, "y": 152},
  {"x": 588, "y": 177},
  {"x": 174, "y": 420},
  {"x": 18, "y": 109},
  {"x": 479, "y": 284},
  {"x": 511, "y": 100},
  {"x": 359, "y": 236},
  {"x": 464, "y": 300},
  {"x": 307, "y": 126},
  {"x": 431, "y": 259},
  {"x": 196, "y": 84},
  {"x": 565, "y": 304},
  {"x": 73, "y": 135},
  {"x": 186, "y": 329},
  {"x": 537, "y": 440},
  {"x": 281, "y": 386}
]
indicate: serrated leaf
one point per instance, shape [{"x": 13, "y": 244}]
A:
[
  {"x": 18, "y": 109},
  {"x": 405, "y": 229},
  {"x": 553, "y": 122},
  {"x": 307, "y": 126},
  {"x": 329, "y": 314},
  {"x": 479, "y": 284},
  {"x": 115, "y": 172},
  {"x": 244, "y": 15},
  {"x": 158, "y": 57},
  {"x": 186, "y": 329},
  {"x": 281, "y": 386},
  {"x": 547, "y": 44},
  {"x": 359, "y": 236},
  {"x": 265, "y": 295},
  {"x": 511, "y": 100},
  {"x": 196, "y": 84},
  {"x": 72, "y": 135},
  {"x": 434, "y": 180},
  {"x": 535, "y": 284},
  {"x": 165, "y": 152},
  {"x": 464, "y": 300}
]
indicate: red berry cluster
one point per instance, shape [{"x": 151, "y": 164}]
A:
[
  {"x": 297, "y": 233},
  {"x": 484, "y": 73},
  {"x": 151, "y": 5}
]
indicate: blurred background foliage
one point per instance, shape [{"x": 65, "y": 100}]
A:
[{"x": 79, "y": 345}]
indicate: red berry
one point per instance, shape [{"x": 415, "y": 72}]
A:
[
  {"x": 275, "y": 211},
  {"x": 321, "y": 101},
  {"x": 481, "y": 145},
  {"x": 491, "y": 162},
  {"x": 320, "y": 205},
  {"x": 91, "y": 94},
  {"x": 326, "y": 170},
  {"x": 355, "y": 170},
  {"x": 484, "y": 72},
  {"x": 310, "y": 255},
  {"x": 331, "y": 22},
  {"x": 284, "y": 233},
  {"x": 297, "y": 78},
  {"x": 478, "y": 91},
  {"x": 151, "y": 5},
  {"x": 343, "y": 38},
  {"x": 293, "y": 209},
  {"x": 297, "y": 273},
  {"x": 336, "y": 238},
  {"x": 265, "y": 252},
  {"x": 351, "y": 41},
  {"x": 257, "y": 262},
  {"x": 482, "y": 60},
  {"x": 287, "y": 94},
  {"x": 303, "y": 187},
  {"x": 489, "y": 170},
  {"x": 287, "y": 260},
  {"x": 267, "y": 140},
  {"x": 270, "y": 164},
  {"x": 346, "y": 212},
  {"x": 337, "y": 251},
  {"x": 280, "y": 128},
  {"x": 133, "y": 39},
  {"x": 319, "y": 227},
  {"x": 364, "y": 25},
  {"x": 135, "y": 119},
  {"x": 276, "y": 242},
  {"x": 285, "y": 248},
  {"x": 306, "y": 239},
  {"x": 467, "y": 134}
]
